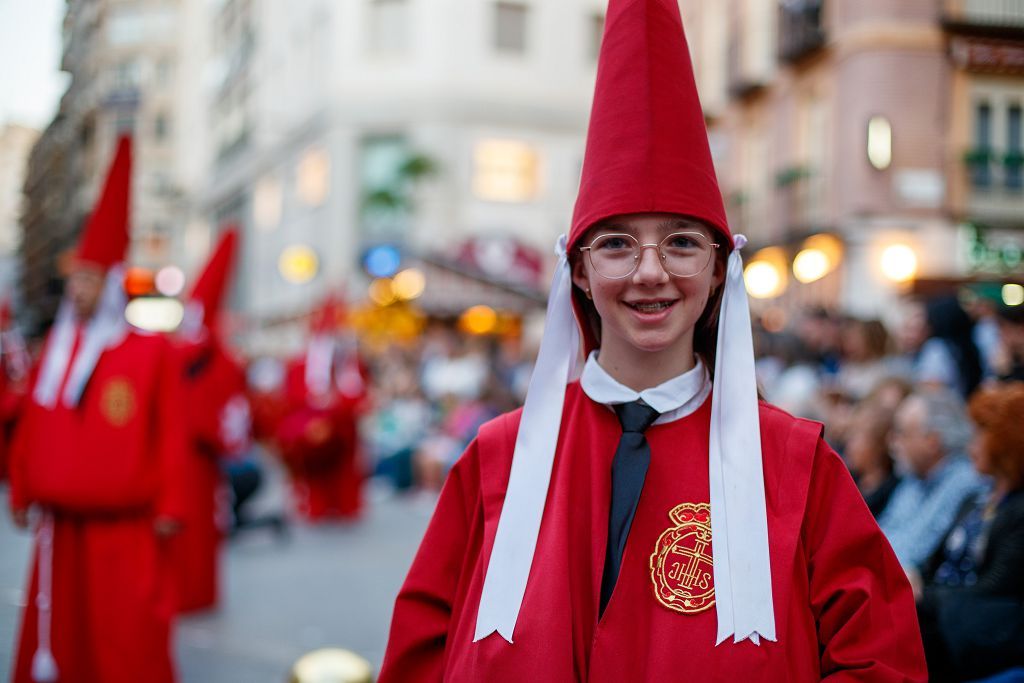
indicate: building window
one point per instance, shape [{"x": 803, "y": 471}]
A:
[
  {"x": 1014, "y": 159},
  {"x": 980, "y": 166},
  {"x": 160, "y": 127},
  {"x": 505, "y": 171},
  {"x": 595, "y": 30},
  {"x": 384, "y": 198},
  {"x": 313, "y": 177},
  {"x": 389, "y": 28},
  {"x": 267, "y": 200},
  {"x": 510, "y": 27}
]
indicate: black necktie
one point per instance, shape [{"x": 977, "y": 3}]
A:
[{"x": 629, "y": 468}]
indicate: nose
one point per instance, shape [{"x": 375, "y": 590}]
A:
[{"x": 649, "y": 270}]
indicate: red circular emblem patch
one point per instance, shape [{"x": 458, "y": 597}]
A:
[{"x": 681, "y": 566}]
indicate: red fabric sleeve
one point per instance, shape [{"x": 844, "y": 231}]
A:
[
  {"x": 17, "y": 496},
  {"x": 170, "y": 436},
  {"x": 423, "y": 609},
  {"x": 861, "y": 598}
]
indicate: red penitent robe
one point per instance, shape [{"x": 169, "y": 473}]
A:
[
  {"x": 843, "y": 606},
  {"x": 319, "y": 444},
  {"x": 217, "y": 412},
  {"x": 106, "y": 469}
]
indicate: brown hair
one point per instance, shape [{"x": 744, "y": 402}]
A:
[{"x": 997, "y": 411}]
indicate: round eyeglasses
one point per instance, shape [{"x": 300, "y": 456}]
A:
[{"x": 683, "y": 254}]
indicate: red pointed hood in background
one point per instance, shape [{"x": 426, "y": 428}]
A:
[
  {"x": 647, "y": 144},
  {"x": 212, "y": 284},
  {"x": 104, "y": 240}
]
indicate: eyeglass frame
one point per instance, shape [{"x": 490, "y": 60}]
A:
[{"x": 640, "y": 252}]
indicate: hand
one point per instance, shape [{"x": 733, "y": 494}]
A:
[
  {"x": 165, "y": 527},
  {"x": 20, "y": 518},
  {"x": 916, "y": 583}
]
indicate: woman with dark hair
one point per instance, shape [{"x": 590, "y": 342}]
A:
[
  {"x": 949, "y": 355},
  {"x": 972, "y": 608},
  {"x": 652, "y": 521}
]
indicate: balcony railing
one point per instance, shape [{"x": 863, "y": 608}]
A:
[
  {"x": 996, "y": 18},
  {"x": 801, "y": 30},
  {"x": 991, "y": 171}
]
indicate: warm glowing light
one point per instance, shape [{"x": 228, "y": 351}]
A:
[
  {"x": 408, "y": 284},
  {"x": 138, "y": 281},
  {"x": 478, "y": 320},
  {"x": 155, "y": 314},
  {"x": 505, "y": 171},
  {"x": 763, "y": 279},
  {"x": 298, "y": 264},
  {"x": 170, "y": 280},
  {"x": 880, "y": 142},
  {"x": 312, "y": 177},
  {"x": 382, "y": 292},
  {"x": 266, "y": 203},
  {"x": 1013, "y": 295},
  {"x": 899, "y": 263},
  {"x": 810, "y": 265}
]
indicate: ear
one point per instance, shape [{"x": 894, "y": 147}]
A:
[{"x": 580, "y": 276}]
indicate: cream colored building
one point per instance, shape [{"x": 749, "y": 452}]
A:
[
  {"x": 15, "y": 144},
  {"x": 892, "y": 125},
  {"x": 125, "y": 59},
  {"x": 315, "y": 106}
]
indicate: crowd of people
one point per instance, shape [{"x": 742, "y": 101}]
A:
[{"x": 928, "y": 419}]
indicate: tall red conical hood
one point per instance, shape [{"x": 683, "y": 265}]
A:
[
  {"x": 212, "y": 284},
  {"x": 104, "y": 239},
  {"x": 647, "y": 145}
]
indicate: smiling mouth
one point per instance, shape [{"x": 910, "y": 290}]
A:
[{"x": 650, "y": 307}]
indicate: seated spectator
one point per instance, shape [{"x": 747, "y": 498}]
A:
[
  {"x": 972, "y": 606},
  {"x": 867, "y": 455},
  {"x": 1008, "y": 359},
  {"x": 929, "y": 441},
  {"x": 864, "y": 362}
]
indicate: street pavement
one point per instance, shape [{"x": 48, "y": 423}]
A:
[{"x": 329, "y": 585}]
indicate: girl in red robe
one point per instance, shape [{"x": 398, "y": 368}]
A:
[{"x": 652, "y": 521}]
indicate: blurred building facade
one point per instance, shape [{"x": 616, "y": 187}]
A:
[
  {"x": 124, "y": 59},
  {"x": 15, "y": 145},
  {"x": 340, "y": 126},
  {"x": 893, "y": 126}
]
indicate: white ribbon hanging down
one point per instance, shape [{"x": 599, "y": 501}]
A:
[
  {"x": 106, "y": 329},
  {"x": 519, "y": 524},
  {"x": 739, "y": 521}
]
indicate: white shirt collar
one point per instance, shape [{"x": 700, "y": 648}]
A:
[{"x": 674, "y": 398}]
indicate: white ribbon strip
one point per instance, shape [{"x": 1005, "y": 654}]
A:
[
  {"x": 44, "y": 666},
  {"x": 105, "y": 329},
  {"x": 319, "y": 365},
  {"x": 519, "y": 524},
  {"x": 739, "y": 521}
]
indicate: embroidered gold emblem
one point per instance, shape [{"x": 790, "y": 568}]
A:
[
  {"x": 681, "y": 566},
  {"x": 118, "y": 402}
]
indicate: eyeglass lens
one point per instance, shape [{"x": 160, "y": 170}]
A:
[{"x": 683, "y": 254}]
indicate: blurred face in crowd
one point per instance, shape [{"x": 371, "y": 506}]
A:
[
  {"x": 649, "y": 316},
  {"x": 914, "y": 330},
  {"x": 84, "y": 287},
  {"x": 914, "y": 446}
]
